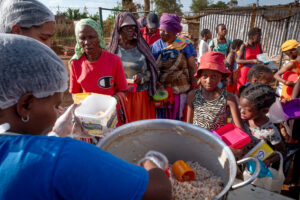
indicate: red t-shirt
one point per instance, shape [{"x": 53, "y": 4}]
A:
[
  {"x": 104, "y": 76},
  {"x": 150, "y": 39}
]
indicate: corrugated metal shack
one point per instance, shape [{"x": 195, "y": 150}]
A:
[{"x": 278, "y": 23}]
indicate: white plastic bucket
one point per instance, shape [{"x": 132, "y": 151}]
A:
[{"x": 89, "y": 113}]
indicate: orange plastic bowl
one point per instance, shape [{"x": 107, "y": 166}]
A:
[{"x": 182, "y": 171}]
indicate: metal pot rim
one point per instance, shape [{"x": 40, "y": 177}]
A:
[{"x": 231, "y": 159}]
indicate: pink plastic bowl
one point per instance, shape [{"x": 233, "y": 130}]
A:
[{"x": 233, "y": 136}]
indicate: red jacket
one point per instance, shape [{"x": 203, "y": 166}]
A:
[{"x": 150, "y": 39}]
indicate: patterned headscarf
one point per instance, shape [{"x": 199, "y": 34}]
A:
[
  {"x": 90, "y": 22},
  {"x": 141, "y": 45},
  {"x": 179, "y": 43}
]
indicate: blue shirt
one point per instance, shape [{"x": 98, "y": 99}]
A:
[
  {"x": 159, "y": 45},
  {"x": 40, "y": 167}
]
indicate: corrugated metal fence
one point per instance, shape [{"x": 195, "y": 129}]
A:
[{"x": 273, "y": 22}]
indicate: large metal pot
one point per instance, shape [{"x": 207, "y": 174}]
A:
[{"x": 178, "y": 141}]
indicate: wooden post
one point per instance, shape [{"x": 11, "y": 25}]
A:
[
  {"x": 253, "y": 16},
  {"x": 286, "y": 30},
  {"x": 147, "y": 7}
]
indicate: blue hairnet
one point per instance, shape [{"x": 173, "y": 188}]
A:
[
  {"x": 28, "y": 66},
  {"x": 25, "y": 13}
]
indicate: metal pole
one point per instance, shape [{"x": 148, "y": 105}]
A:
[{"x": 100, "y": 18}]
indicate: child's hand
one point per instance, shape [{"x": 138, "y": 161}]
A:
[
  {"x": 257, "y": 61},
  {"x": 285, "y": 100},
  {"x": 289, "y": 83},
  {"x": 230, "y": 81},
  {"x": 238, "y": 153},
  {"x": 271, "y": 159}
]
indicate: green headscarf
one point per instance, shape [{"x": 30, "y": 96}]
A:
[{"x": 90, "y": 22}]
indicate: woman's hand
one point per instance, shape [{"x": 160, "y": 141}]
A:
[
  {"x": 137, "y": 79},
  {"x": 68, "y": 125},
  {"x": 130, "y": 88},
  {"x": 160, "y": 86},
  {"x": 148, "y": 165}
]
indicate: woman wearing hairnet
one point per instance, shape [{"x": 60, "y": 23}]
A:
[
  {"x": 33, "y": 166},
  {"x": 27, "y": 17}
]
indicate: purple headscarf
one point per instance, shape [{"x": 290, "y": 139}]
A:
[{"x": 170, "y": 23}]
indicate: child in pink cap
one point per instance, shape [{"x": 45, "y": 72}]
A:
[{"x": 207, "y": 105}]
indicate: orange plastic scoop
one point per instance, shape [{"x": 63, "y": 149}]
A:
[{"x": 182, "y": 171}]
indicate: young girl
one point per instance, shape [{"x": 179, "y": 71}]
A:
[
  {"x": 207, "y": 105},
  {"x": 203, "y": 46},
  {"x": 255, "y": 101},
  {"x": 248, "y": 55},
  {"x": 293, "y": 65},
  {"x": 220, "y": 44},
  {"x": 258, "y": 74},
  {"x": 232, "y": 65}
]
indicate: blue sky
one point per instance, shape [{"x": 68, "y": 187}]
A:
[{"x": 92, "y": 5}]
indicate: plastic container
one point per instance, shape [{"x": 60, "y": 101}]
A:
[
  {"x": 263, "y": 58},
  {"x": 131, "y": 82},
  {"x": 291, "y": 109},
  {"x": 160, "y": 98},
  {"x": 233, "y": 136},
  {"x": 216, "y": 134},
  {"x": 260, "y": 151},
  {"x": 80, "y": 96},
  {"x": 97, "y": 113},
  {"x": 158, "y": 104},
  {"x": 290, "y": 76},
  {"x": 182, "y": 171},
  {"x": 276, "y": 113},
  {"x": 160, "y": 95},
  {"x": 272, "y": 65}
]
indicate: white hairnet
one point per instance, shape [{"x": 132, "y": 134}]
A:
[
  {"x": 28, "y": 66},
  {"x": 25, "y": 13}
]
